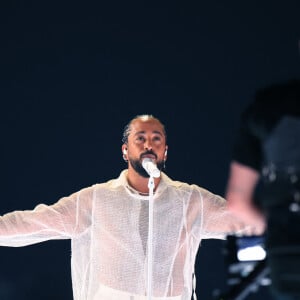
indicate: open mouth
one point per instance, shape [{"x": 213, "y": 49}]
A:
[{"x": 149, "y": 155}]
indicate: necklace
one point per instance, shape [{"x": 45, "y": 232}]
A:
[{"x": 136, "y": 192}]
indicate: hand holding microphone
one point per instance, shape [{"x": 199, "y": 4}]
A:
[{"x": 150, "y": 166}]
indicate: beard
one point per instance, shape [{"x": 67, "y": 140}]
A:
[{"x": 137, "y": 166}]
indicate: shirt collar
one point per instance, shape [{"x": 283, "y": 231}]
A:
[{"x": 122, "y": 180}]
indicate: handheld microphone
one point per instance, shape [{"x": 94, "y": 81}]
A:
[{"x": 150, "y": 167}]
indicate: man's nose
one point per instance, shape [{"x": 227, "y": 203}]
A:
[{"x": 148, "y": 145}]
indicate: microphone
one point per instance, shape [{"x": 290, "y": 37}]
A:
[{"x": 150, "y": 167}]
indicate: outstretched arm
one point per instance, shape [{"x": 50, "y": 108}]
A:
[
  {"x": 62, "y": 220},
  {"x": 217, "y": 220}
]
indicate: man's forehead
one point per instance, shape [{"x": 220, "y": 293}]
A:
[{"x": 153, "y": 126}]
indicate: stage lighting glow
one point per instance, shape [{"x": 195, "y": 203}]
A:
[{"x": 254, "y": 253}]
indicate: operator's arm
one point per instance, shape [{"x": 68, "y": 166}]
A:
[{"x": 239, "y": 195}]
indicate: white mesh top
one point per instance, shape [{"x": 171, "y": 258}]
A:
[{"x": 108, "y": 226}]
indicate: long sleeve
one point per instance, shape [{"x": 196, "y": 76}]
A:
[
  {"x": 216, "y": 220},
  {"x": 62, "y": 220}
]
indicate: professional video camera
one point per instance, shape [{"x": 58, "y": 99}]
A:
[{"x": 274, "y": 258}]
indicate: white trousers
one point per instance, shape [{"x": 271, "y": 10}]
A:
[{"x": 106, "y": 293}]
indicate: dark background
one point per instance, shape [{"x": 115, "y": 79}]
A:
[{"x": 73, "y": 74}]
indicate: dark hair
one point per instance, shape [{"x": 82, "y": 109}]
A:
[{"x": 127, "y": 128}]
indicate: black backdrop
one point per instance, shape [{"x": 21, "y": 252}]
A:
[{"x": 72, "y": 75}]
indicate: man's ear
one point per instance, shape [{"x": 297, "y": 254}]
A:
[
  {"x": 166, "y": 153},
  {"x": 124, "y": 151}
]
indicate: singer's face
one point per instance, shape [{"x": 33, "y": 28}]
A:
[{"x": 146, "y": 139}]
